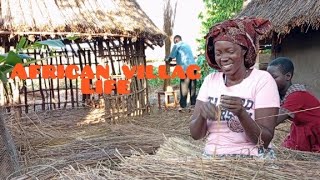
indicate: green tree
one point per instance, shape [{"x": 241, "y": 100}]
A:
[{"x": 215, "y": 11}]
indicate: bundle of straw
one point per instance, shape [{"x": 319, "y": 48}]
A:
[
  {"x": 50, "y": 141},
  {"x": 181, "y": 159},
  {"x": 60, "y": 148},
  {"x": 197, "y": 168},
  {"x": 155, "y": 167}
]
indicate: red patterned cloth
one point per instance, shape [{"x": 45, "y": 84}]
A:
[{"x": 244, "y": 32}]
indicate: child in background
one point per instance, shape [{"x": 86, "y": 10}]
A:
[{"x": 305, "y": 129}]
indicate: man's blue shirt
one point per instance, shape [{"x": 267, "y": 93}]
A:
[{"x": 183, "y": 54}]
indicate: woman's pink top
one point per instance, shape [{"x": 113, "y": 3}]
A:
[{"x": 259, "y": 90}]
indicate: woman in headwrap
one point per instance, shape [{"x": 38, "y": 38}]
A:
[{"x": 247, "y": 97}]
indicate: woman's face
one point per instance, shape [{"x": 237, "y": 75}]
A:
[{"x": 229, "y": 56}]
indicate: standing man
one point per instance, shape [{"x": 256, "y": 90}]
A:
[{"x": 184, "y": 57}]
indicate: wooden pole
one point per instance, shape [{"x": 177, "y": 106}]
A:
[
  {"x": 7, "y": 141},
  {"x": 169, "y": 14}
]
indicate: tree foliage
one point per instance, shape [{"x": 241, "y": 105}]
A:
[
  {"x": 13, "y": 57},
  {"x": 216, "y": 11}
]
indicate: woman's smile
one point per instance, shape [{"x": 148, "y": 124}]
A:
[{"x": 227, "y": 67}]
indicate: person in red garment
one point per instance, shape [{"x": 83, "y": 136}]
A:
[{"x": 297, "y": 105}]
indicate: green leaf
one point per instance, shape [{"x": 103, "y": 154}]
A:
[
  {"x": 35, "y": 46},
  {"x": 21, "y": 44},
  {"x": 52, "y": 43},
  {"x": 4, "y": 70},
  {"x": 2, "y": 58},
  {"x": 21, "y": 56},
  {"x": 3, "y": 77},
  {"x": 13, "y": 58},
  {"x": 25, "y": 56},
  {"x": 72, "y": 38},
  {"x": 8, "y": 70}
]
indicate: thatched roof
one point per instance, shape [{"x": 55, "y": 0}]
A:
[
  {"x": 81, "y": 17},
  {"x": 285, "y": 14}
]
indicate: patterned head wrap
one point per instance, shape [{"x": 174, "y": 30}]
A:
[{"x": 244, "y": 32}]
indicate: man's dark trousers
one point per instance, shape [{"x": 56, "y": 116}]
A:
[{"x": 187, "y": 85}]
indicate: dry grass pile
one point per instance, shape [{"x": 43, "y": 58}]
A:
[
  {"x": 197, "y": 168},
  {"x": 181, "y": 159},
  {"x": 150, "y": 168},
  {"x": 66, "y": 147},
  {"x": 51, "y": 141}
]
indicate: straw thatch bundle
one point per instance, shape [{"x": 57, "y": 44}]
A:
[
  {"x": 180, "y": 159},
  {"x": 83, "y": 18},
  {"x": 53, "y": 140},
  {"x": 285, "y": 14},
  {"x": 197, "y": 168},
  {"x": 60, "y": 145}
]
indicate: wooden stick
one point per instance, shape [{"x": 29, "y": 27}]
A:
[
  {"x": 110, "y": 57},
  {"x": 44, "y": 80},
  {"x": 95, "y": 52},
  {"x": 128, "y": 61},
  {"x": 50, "y": 83},
  {"x": 71, "y": 86},
  {"x": 133, "y": 84},
  {"x": 66, "y": 83},
  {"x": 41, "y": 92},
  {"x": 86, "y": 62},
  {"x": 145, "y": 82},
  {"x": 90, "y": 64},
  {"x": 25, "y": 96},
  {"x": 58, "y": 80},
  {"x": 32, "y": 84}
]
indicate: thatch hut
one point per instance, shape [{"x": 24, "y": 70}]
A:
[
  {"x": 295, "y": 34},
  {"x": 110, "y": 32}
]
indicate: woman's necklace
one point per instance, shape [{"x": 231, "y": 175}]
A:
[{"x": 225, "y": 77}]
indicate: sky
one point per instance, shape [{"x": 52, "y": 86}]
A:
[{"x": 186, "y": 25}]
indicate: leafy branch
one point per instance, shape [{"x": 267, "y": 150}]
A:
[
  {"x": 216, "y": 11},
  {"x": 13, "y": 57}
]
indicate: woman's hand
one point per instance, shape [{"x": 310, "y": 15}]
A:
[
  {"x": 232, "y": 104},
  {"x": 209, "y": 111},
  {"x": 202, "y": 112}
]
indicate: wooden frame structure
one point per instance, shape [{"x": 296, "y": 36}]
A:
[{"x": 111, "y": 32}]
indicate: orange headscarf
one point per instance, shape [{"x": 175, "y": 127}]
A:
[{"x": 243, "y": 32}]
